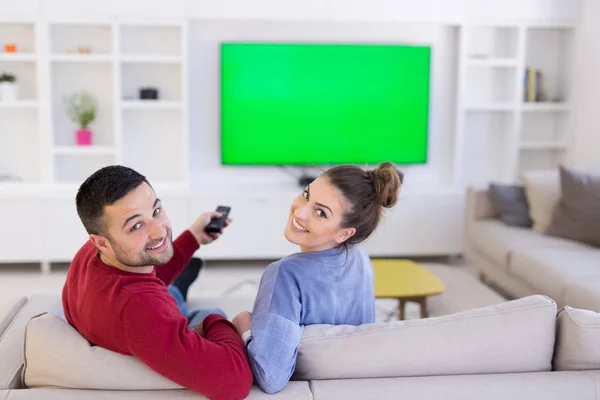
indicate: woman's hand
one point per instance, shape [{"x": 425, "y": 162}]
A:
[
  {"x": 242, "y": 322},
  {"x": 199, "y": 328}
]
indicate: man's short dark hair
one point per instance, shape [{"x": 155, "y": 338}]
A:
[{"x": 103, "y": 188}]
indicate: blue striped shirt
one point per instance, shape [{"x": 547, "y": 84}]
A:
[{"x": 327, "y": 287}]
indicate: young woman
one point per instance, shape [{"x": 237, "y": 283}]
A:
[{"x": 330, "y": 281}]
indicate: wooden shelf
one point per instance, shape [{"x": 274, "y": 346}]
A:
[
  {"x": 545, "y": 107},
  {"x": 151, "y": 105},
  {"x": 84, "y": 150},
  {"x": 543, "y": 146},
  {"x": 19, "y": 104},
  {"x": 90, "y": 58},
  {"x": 26, "y": 57},
  {"x": 151, "y": 59},
  {"x": 492, "y": 62},
  {"x": 491, "y": 107}
]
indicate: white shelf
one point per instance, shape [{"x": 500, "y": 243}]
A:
[
  {"x": 151, "y": 105},
  {"x": 20, "y": 57},
  {"x": 10, "y": 189},
  {"x": 543, "y": 146},
  {"x": 84, "y": 150},
  {"x": 151, "y": 59},
  {"x": 510, "y": 135},
  {"x": 91, "y": 58},
  {"x": 19, "y": 104},
  {"x": 545, "y": 107},
  {"x": 492, "y": 62},
  {"x": 491, "y": 107}
]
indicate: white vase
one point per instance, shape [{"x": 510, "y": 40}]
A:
[{"x": 8, "y": 91}]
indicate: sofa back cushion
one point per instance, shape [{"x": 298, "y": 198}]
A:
[
  {"x": 510, "y": 203},
  {"x": 577, "y": 215},
  {"x": 542, "y": 189},
  {"x": 57, "y": 355},
  {"x": 515, "y": 336},
  {"x": 577, "y": 340}
]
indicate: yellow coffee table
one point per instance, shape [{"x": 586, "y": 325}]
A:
[{"x": 406, "y": 281}]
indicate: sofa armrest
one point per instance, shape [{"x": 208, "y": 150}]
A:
[
  {"x": 12, "y": 340},
  {"x": 479, "y": 205},
  {"x": 8, "y": 311}
]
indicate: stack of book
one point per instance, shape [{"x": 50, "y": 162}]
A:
[{"x": 533, "y": 89}]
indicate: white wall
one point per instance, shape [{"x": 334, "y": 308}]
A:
[
  {"x": 586, "y": 104},
  {"x": 423, "y": 223},
  {"x": 204, "y": 41},
  {"x": 442, "y": 11}
]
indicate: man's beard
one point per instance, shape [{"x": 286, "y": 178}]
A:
[{"x": 144, "y": 259}]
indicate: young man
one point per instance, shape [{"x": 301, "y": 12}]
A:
[{"x": 116, "y": 292}]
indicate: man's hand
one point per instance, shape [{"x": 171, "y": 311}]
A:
[
  {"x": 198, "y": 226},
  {"x": 242, "y": 321}
]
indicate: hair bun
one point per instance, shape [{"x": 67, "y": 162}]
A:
[{"x": 386, "y": 180}]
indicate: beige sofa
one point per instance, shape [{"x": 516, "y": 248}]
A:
[
  {"x": 505, "y": 351},
  {"x": 523, "y": 262}
]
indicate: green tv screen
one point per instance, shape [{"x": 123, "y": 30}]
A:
[{"x": 324, "y": 104}]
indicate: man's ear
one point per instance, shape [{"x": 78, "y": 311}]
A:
[
  {"x": 101, "y": 243},
  {"x": 345, "y": 234}
]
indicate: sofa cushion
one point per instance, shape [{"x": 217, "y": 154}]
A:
[
  {"x": 511, "y": 204},
  {"x": 11, "y": 345},
  {"x": 577, "y": 215},
  {"x": 551, "y": 270},
  {"x": 498, "y": 241},
  {"x": 533, "y": 386},
  {"x": 293, "y": 391},
  {"x": 8, "y": 311},
  {"x": 57, "y": 355},
  {"x": 515, "y": 336},
  {"x": 542, "y": 189},
  {"x": 584, "y": 293},
  {"x": 577, "y": 341}
]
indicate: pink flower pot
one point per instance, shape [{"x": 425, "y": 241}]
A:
[{"x": 84, "y": 137}]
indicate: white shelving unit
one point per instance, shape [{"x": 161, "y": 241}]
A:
[
  {"x": 72, "y": 71},
  {"x": 112, "y": 60},
  {"x": 498, "y": 134},
  {"x": 21, "y": 128},
  {"x": 154, "y": 56}
]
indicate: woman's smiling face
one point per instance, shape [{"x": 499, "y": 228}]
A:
[{"x": 315, "y": 217}]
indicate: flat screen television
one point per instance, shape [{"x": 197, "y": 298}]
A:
[{"x": 324, "y": 104}]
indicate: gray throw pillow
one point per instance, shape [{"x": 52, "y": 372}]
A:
[
  {"x": 577, "y": 215},
  {"x": 510, "y": 203}
]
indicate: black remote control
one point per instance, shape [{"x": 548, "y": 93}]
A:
[{"x": 216, "y": 225}]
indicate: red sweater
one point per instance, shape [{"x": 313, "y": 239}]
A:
[{"x": 134, "y": 314}]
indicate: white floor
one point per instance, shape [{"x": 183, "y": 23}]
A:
[
  {"x": 214, "y": 280},
  {"x": 217, "y": 279}
]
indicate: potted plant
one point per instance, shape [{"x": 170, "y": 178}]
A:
[
  {"x": 8, "y": 87},
  {"x": 82, "y": 109}
]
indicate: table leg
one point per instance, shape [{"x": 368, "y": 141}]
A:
[
  {"x": 423, "y": 302},
  {"x": 401, "y": 306}
]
